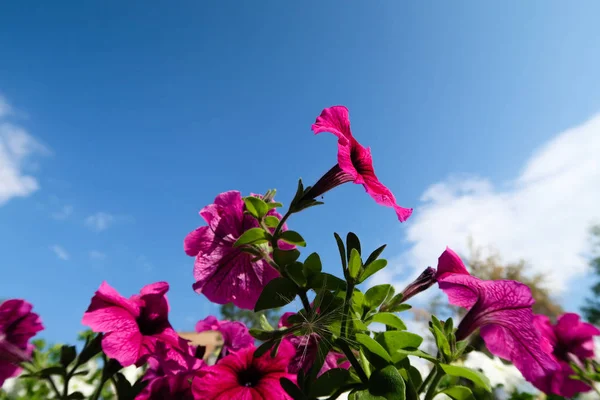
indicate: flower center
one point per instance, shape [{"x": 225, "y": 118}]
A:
[
  {"x": 249, "y": 377},
  {"x": 148, "y": 326}
]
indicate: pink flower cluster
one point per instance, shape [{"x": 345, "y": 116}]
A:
[
  {"x": 502, "y": 311},
  {"x": 17, "y": 326},
  {"x": 137, "y": 331}
]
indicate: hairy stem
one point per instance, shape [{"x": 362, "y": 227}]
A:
[
  {"x": 437, "y": 377},
  {"x": 350, "y": 356}
]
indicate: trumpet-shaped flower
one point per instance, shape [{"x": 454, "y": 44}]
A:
[
  {"x": 132, "y": 327},
  {"x": 225, "y": 273},
  {"x": 502, "y": 311},
  {"x": 242, "y": 376},
  {"x": 569, "y": 339},
  {"x": 17, "y": 325},
  {"x": 235, "y": 334},
  {"x": 355, "y": 163}
]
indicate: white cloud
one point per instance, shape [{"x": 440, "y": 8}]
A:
[
  {"x": 16, "y": 148},
  {"x": 5, "y": 108},
  {"x": 97, "y": 255},
  {"x": 99, "y": 221},
  {"x": 60, "y": 252},
  {"x": 63, "y": 213},
  {"x": 543, "y": 216}
]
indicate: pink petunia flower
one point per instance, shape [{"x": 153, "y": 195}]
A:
[
  {"x": 224, "y": 273},
  {"x": 569, "y": 339},
  {"x": 502, "y": 311},
  {"x": 17, "y": 325},
  {"x": 355, "y": 163},
  {"x": 307, "y": 347},
  {"x": 132, "y": 327},
  {"x": 242, "y": 376},
  {"x": 235, "y": 334},
  {"x": 168, "y": 387}
]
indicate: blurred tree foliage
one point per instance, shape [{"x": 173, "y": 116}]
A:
[
  {"x": 250, "y": 318},
  {"x": 591, "y": 310}
]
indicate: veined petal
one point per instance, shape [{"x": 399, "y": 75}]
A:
[{"x": 334, "y": 120}]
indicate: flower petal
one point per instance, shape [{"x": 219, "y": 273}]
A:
[
  {"x": 124, "y": 345},
  {"x": 228, "y": 275},
  {"x": 450, "y": 263},
  {"x": 201, "y": 239},
  {"x": 334, "y": 120},
  {"x": 576, "y": 335}
]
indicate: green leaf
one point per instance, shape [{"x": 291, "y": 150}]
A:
[
  {"x": 92, "y": 348},
  {"x": 364, "y": 395},
  {"x": 373, "y": 350},
  {"x": 375, "y": 254},
  {"x": 285, "y": 257},
  {"x": 67, "y": 355},
  {"x": 312, "y": 265},
  {"x": 415, "y": 376},
  {"x": 392, "y": 341},
  {"x": 261, "y": 334},
  {"x": 255, "y": 206},
  {"x": 399, "y": 307},
  {"x": 387, "y": 383},
  {"x": 341, "y": 248},
  {"x": 263, "y": 348},
  {"x": 55, "y": 370},
  {"x": 296, "y": 273},
  {"x": 264, "y": 323},
  {"x": 354, "y": 263},
  {"x": 402, "y": 353},
  {"x": 329, "y": 382},
  {"x": 277, "y": 293},
  {"x": 448, "y": 326},
  {"x": 375, "y": 295},
  {"x": 474, "y": 376},
  {"x": 291, "y": 389},
  {"x": 459, "y": 393},
  {"x": 441, "y": 340},
  {"x": 352, "y": 242},
  {"x": 371, "y": 268},
  {"x": 292, "y": 237},
  {"x": 274, "y": 205},
  {"x": 271, "y": 221},
  {"x": 327, "y": 282},
  {"x": 388, "y": 319},
  {"x": 252, "y": 236}
]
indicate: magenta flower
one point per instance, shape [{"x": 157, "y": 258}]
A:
[
  {"x": 224, "y": 273},
  {"x": 306, "y": 348},
  {"x": 166, "y": 360},
  {"x": 132, "y": 327},
  {"x": 168, "y": 387},
  {"x": 17, "y": 325},
  {"x": 235, "y": 334},
  {"x": 242, "y": 376},
  {"x": 502, "y": 311},
  {"x": 570, "y": 339},
  {"x": 355, "y": 163}
]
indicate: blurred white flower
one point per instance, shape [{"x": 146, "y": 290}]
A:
[{"x": 132, "y": 373}]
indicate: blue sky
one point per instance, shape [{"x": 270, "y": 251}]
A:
[{"x": 138, "y": 116}]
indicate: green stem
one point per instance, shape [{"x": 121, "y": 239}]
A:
[
  {"x": 427, "y": 380},
  {"x": 98, "y": 391},
  {"x": 431, "y": 391},
  {"x": 349, "y": 291},
  {"x": 350, "y": 356},
  {"x": 53, "y": 385}
]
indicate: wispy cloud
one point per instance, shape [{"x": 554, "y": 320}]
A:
[
  {"x": 63, "y": 213},
  {"x": 17, "y": 147},
  {"x": 97, "y": 255},
  {"x": 100, "y": 221},
  {"x": 5, "y": 108},
  {"x": 543, "y": 217},
  {"x": 60, "y": 252}
]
